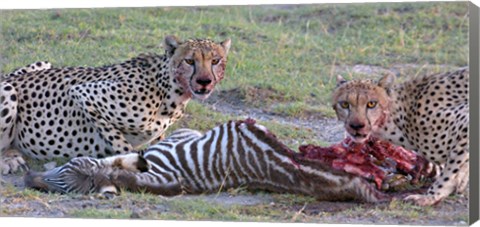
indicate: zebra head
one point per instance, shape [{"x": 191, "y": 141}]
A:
[{"x": 79, "y": 175}]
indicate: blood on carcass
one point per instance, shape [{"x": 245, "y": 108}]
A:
[{"x": 375, "y": 160}]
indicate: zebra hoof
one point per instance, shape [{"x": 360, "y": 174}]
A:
[{"x": 105, "y": 196}]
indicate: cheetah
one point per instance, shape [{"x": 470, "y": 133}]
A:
[
  {"x": 429, "y": 114},
  {"x": 101, "y": 111}
]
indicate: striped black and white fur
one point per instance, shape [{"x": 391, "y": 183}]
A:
[{"x": 231, "y": 155}]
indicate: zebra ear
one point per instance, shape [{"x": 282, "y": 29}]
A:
[
  {"x": 340, "y": 80},
  {"x": 170, "y": 44}
]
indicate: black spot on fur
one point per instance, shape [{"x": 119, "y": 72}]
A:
[{"x": 4, "y": 112}]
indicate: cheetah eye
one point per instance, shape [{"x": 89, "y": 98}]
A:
[
  {"x": 372, "y": 104},
  {"x": 215, "y": 61},
  {"x": 344, "y": 105},
  {"x": 189, "y": 61}
]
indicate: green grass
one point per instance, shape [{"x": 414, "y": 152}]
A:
[
  {"x": 301, "y": 110},
  {"x": 283, "y": 60},
  {"x": 294, "y": 50},
  {"x": 105, "y": 214}
]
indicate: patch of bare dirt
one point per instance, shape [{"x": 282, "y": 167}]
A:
[
  {"x": 248, "y": 97},
  {"x": 446, "y": 213}
]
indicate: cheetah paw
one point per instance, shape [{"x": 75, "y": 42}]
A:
[
  {"x": 12, "y": 161},
  {"x": 422, "y": 200}
]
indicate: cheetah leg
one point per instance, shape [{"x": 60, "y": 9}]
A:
[
  {"x": 11, "y": 160},
  {"x": 107, "y": 131},
  {"x": 451, "y": 178},
  {"x": 463, "y": 175},
  {"x": 158, "y": 139}
]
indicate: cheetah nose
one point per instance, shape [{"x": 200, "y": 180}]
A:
[
  {"x": 357, "y": 126},
  {"x": 204, "y": 81}
]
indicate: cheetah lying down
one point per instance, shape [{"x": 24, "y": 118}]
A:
[
  {"x": 70, "y": 112},
  {"x": 429, "y": 114}
]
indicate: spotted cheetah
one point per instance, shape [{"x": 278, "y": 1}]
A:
[
  {"x": 429, "y": 114},
  {"x": 101, "y": 111}
]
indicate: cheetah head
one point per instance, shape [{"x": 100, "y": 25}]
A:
[
  {"x": 362, "y": 105},
  {"x": 197, "y": 64}
]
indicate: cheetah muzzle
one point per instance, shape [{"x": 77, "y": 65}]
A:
[{"x": 48, "y": 112}]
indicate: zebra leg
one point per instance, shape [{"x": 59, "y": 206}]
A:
[
  {"x": 145, "y": 182},
  {"x": 162, "y": 177}
]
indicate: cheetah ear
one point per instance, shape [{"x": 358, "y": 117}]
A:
[
  {"x": 387, "y": 81},
  {"x": 226, "y": 45},
  {"x": 340, "y": 80},
  {"x": 170, "y": 44}
]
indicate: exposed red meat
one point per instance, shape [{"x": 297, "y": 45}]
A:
[{"x": 379, "y": 161}]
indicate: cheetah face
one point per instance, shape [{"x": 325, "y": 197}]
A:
[
  {"x": 198, "y": 65},
  {"x": 362, "y": 105}
]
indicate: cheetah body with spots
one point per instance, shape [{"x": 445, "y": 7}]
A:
[
  {"x": 70, "y": 112},
  {"x": 429, "y": 114}
]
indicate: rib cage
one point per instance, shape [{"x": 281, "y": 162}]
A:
[{"x": 231, "y": 155}]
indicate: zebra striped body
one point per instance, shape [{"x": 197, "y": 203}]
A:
[{"x": 231, "y": 155}]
